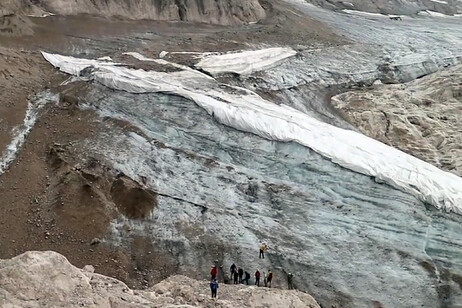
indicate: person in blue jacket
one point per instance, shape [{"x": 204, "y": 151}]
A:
[{"x": 214, "y": 288}]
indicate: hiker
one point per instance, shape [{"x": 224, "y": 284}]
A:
[
  {"x": 257, "y": 278},
  {"x": 246, "y": 278},
  {"x": 232, "y": 269},
  {"x": 263, "y": 248},
  {"x": 269, "y": 278},
  {"x": 241, "y": 273},
  {"x": 290, "y": 278},
  {"x": 235, "y": 276},
  {"x": 214, "y": 288},
  {"x": 214, "y": 272},
  {"x": 264, "y": 280}
]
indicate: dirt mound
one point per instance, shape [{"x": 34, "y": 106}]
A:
[
  {"x": 47, "y": 279},
  {"x": 225, "y": 12},
  {"x": 132, "y": 200},
  {"x": 15, "y": 25}
]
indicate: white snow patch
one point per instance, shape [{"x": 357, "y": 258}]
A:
[
  {"x": 432, "y": 14},
  {"x": 356, "y": 12},
  {"x": 20, "y": 133},
  {"x": 163, "y": 54},
  {"x": 43, "y": 15},
  {"x": 105, "y": 58},
  {"x": 245, "y": 110},
  {"x": 245, "y": 62},
  {"x": 440, "y": 1}
]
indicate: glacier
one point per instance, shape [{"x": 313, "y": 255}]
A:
[{"x": 245, "y": 110}]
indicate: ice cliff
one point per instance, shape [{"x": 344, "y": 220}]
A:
[{"x": 245, "y": 110}]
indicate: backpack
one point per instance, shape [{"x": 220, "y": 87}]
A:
[{"x": 214, "y": 285}]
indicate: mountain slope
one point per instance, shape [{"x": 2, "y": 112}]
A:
[{"x": 226, "y": 12}]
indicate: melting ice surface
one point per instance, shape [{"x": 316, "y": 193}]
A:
[{"x": 245, "y": 110}]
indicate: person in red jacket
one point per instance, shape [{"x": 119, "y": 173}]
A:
[
  {"x": 214, "y": 272},
  {"x": 257, "y": 278}
]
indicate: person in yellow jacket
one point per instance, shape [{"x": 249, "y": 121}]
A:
[{"x": 263, "y": 248}]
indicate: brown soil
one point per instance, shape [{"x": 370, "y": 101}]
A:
[
  {"x": 132, "y": 200},
  {"x": 282, "y": 26},
  {"x": 51, "y": 202}
]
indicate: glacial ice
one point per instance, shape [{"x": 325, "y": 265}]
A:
[{"x": 245, "y": 110}]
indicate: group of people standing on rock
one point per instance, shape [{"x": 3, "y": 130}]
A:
[{"x": 239, "y": 276}]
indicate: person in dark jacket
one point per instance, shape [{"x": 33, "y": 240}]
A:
[
  {"x": 257, "y": 278},
  {"x": 214, "y": 288},
  {"x": 246, "y": 278},
  {"x": 269, "y": 278},
  {"x": 235, "y": 276},
  {"x": 232, "y": 269},
  {"x": 290, "y": 279},
  {"x": 241, "y": 273}
]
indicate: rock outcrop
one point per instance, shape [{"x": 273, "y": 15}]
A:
[
  {"x": 225, "y": 12},
  {"x": 47, "y": 279},
  {"x": 422, "y": 118}
]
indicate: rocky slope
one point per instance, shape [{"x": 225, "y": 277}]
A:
[
  {"x": 423, "y": 117},
  {"x": 47, "y": 279},
  {"x": 226, "y": 12}
]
